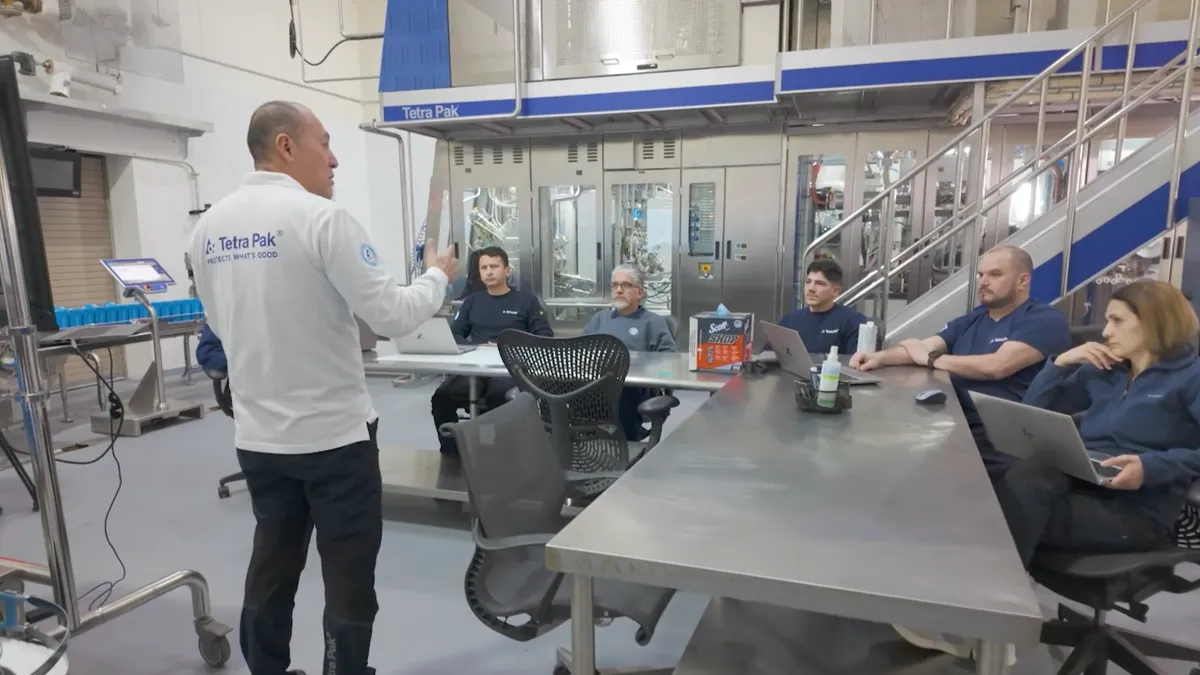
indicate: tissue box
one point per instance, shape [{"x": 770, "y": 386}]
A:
[{"x": 720, "y": 343}]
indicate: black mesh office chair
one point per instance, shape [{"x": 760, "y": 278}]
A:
[
  {"x": 578, "y": 382},
  {"x": 517, "y": 488},
  {"x": 220, "y": 382},
  {"x": 1114, "y": 582}
]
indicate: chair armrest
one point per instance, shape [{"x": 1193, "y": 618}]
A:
[
  {"x": 1193, "y": 496},
  {"x": 657, "y": 407},
  {"x": 512, "y": 393},
  {"x": 502, "y": 543},
  {"x": 580, "y": 476}
]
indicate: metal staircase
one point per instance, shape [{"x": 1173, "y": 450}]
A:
[{"x": 1116, "y": 213}]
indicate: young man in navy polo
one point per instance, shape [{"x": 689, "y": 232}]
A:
[
  {"x": 483, "y": 315},
  {"x": 823, "y": 323}
]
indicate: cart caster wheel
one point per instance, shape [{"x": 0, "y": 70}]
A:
[
  {"x": 223, "y": 492},
  {"x": 215, "y": 651},
  {"x": 562, "y": 670},
  {"x": 641, "y": 637}
]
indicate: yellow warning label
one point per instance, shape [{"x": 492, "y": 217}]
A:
[{"x": 705, "y": 268}]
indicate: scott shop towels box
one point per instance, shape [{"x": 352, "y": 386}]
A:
[{"x": 720, "y": 342}]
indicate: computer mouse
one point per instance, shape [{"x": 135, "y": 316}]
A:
[{"x": 931, "y": 397}]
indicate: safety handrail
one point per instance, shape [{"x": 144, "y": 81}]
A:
[
  {"x": 853, "y": 296},
  {"x": 978, "y": 125},
  {"x": 1014, "y": 180}
]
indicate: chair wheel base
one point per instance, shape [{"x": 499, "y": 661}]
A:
[
  {"x": 223, "y": 492},
  {"x": 563, "y": 670}
]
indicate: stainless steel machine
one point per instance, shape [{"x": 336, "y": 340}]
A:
[{"x": 714, "y": 216}]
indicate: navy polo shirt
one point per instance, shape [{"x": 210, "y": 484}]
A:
[
  {"x": 975, "y": 334},
  {"x": 821, "y": 331}
]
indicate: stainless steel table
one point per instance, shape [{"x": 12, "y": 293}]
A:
[
  {"x": 666, "y": 370},
  {"x": 884, "y": 514},
  {"x": 410, "y": 472}
]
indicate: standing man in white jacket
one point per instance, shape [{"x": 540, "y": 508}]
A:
[{"x": 282, "y": 271}]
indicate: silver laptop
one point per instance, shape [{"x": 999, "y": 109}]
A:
[
  {"x": 432, "y": 338},
  {"x": 96, "y": 332},
  {"x": 794, "y": 357},
  {"x": 1023, "y": 431}
]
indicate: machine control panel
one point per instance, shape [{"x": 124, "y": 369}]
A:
[{"x": 139, "y": 274}]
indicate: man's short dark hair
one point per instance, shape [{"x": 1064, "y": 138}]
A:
[
  {"x": 1022, "y": 262},
  {"x": 494, "y": 252},
  {"x": 267, "y": 122},
  {"x": 828, "y": 269}
]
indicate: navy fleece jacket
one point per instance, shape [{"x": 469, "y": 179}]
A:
[
  {"x": 1156, "y": 416},
  {"x": 210, "y": 353}
]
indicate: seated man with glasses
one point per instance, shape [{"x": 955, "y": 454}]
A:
[{"x": 641, "y": 330}]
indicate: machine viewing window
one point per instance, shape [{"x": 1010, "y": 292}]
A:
[
  {"x": 570, "y": 234},
  {"x": 644, "y": 214},
  {"x": 490, "y": 216},
  {"x": 702, "y": 213}
]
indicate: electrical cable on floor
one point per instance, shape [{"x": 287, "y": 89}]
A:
[
  {"x": 116, "y": 419},
  {"x": 116, "y": 413}
]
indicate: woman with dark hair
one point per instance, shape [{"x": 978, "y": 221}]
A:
[{"x": 1139, "y": 392}]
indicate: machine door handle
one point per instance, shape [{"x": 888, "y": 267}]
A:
[
  {"x": 717, "y": 251},
  {"x": 456, "y": 249},
  {"x": 598, "y": 256},
  {"x": 728, "y": 249}
]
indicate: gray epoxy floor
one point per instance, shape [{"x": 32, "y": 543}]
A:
[{"x": 168, "y": 517}]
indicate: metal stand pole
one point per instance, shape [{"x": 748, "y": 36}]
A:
[
  {"x": 31, "y": 387},
  {"x": 32, "y": 391},
  {"x": 160, "y": 380}
]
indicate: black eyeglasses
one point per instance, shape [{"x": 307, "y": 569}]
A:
[{"x": 623, "y": 285}]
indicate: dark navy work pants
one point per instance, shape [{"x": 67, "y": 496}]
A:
[{"x": 338, "y": 492}]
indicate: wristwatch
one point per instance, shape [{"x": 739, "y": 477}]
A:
[{"x": 933, "y": 356}]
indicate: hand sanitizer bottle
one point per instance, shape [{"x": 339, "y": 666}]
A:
[{"x": 831, "y": 372}]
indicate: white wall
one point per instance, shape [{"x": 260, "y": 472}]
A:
[{"x": 234, "y": 56}]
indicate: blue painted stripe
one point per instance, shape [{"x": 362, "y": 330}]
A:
[
  {"x": 1147, "y": 56},
  {"x": 740, "y": 93},
  {"x": 416, "y": 46},
  {"x": 654, "y": 99},
  {"x": 1114, "y": 240},
  {"x": 923, "y": 71}
]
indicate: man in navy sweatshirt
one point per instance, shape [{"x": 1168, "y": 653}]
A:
[
  {"x": 482, "y": 317},
  {"x": 823, "y": 323},
  {"x": 640, "y": 330}
]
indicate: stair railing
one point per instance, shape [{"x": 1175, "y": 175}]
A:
[
  {"x": 973, "y": 212},
  {"x": 1021, "y": 176}
]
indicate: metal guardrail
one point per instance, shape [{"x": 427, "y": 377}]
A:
[{"x": 972, "y": 216}]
